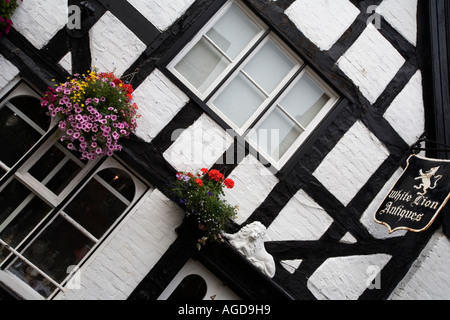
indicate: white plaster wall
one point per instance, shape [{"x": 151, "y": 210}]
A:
[
  {"x": 199, "y": 146},
  {"x": 253, "y": 183},
  {"x": 301, "y": 219},
  {"x": 113, "y": 46},
  {"x": 428, "y": 278},
  {"x": 40, "y": 20},
  {"x": 347, "y": 168},
  {"x": 407, "y": 112},
  {"x": 159, "y": 100},
  {"x": 371, "y": 63},
  {"x": 7, "y": 72},
  {"x": 319, "y": 21},
  {"x": 402, "y": 15},
  {"x": 162, "y": 14},
  {"x": 346, "y": 278}
]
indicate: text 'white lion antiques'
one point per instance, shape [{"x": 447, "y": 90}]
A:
[{"x": 418, "y": 197}]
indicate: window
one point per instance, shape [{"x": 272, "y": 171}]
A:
[
  {"x": 22, "y": 123},
  {"x": 254, "y": 82},
  {"x": 192, "y": 288},
  {"x": 55, "y": 210}
]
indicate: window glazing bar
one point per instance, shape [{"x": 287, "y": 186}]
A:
[
  {"x": 21, "y": 257},
  {"x": 217, "y": 48}
]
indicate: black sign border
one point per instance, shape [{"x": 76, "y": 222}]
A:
[{"x": 408, "y": 162}]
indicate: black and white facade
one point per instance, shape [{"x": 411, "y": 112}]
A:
[{"x": 311, "y": 106}]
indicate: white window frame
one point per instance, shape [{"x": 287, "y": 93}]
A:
[
  {"x": 21, "y": 287},
  {"x": 264, "y": 110},
  {"x": 252, "y": 17},
  {"x": 37, "y": 189},
  {"x": 334, "y": 98},
  {"x": 269, "y": 96}
]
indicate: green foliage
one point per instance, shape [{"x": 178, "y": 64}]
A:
[
  {"x": 7, "y": 8},
  {"x": 201, "y": 195}
]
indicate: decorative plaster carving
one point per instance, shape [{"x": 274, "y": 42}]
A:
[{"x": 250, "y": 242}]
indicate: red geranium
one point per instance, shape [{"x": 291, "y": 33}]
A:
[
  {"x": 216, "y": 175},
  {"x": 199, "y": 182},
  {"x": 229, "y": 183}
]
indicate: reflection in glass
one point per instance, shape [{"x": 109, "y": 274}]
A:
[
  {"x": 276, "y": 134},
  {"x": 33, "y": 278},
  {"x": 217, "y": 49},
  {"x": 120, "y": 181},
  {"x": 233, "y": 32},
  {"x": 305, "y": 100},
  {"x": 55, "y": 170},
  {"x": 16, "y": 137},
  {"x": 60, "y": 246},
  {"x": 240, "y": 100},
  {"x": 21, "y": 211},
  {"x": 202, "y": 65},
  {"x": 269, "y": 67},
  {"x": 31, "y": 107},
  {"x": 96, "y": 207}
]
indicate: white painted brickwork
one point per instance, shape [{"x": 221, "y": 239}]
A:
[
  {"x": 40, "y": 20},
  {"x": 199, "y": 146},
  {"x": 159, "y": 100},
  {"x": 402, "y": 15},
  {"x": 428, "y": 278},
  {"x": 345, "y": 278},
  {"x": 7, "y": 72},
  {"x": 254, "y": 182},
  {"x": 371, "y": 63},
  {"x": 301, "y": 219},
  {"x": 322, "y": 21},
  {"x": 162, "y": 14},
  {"x": 351, "y": 163},
  {"x": 407, "y": 114},
  {"x": 114, "y": 47},
  {"x": 127, "y": 257}
]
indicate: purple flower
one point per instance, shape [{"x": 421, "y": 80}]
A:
[{"x": 62, "y": 125}]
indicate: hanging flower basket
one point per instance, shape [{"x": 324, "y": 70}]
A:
[
  {"x": 7, "y": 8},
  {"x": 93, "y": 112},
  {"x": 201, "y": 195}
]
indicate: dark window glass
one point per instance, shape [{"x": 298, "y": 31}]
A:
[
  {"x": 60, "y": 246},
  {"x": 17, "y": 134},
  {"x": 55, "y": 170},
  {"x": 31, "y": 107},
  {"x": 96, "y": 208},
  {"x": 20, "y": 212},
  {"x": 192, "y": 288},
  {"x": 16, "y": 137}
]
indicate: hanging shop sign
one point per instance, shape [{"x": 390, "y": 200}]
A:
[{"x": 418, "y": 197}]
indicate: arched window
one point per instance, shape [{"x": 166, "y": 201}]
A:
[
  {"x": 22, "y": 123},
  {"x": 40, "y": 244},
  {"x": 55, "y": 209},
  {"x": 192, "y": 288}
]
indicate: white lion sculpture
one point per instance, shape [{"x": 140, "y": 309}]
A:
[{"x": 250, "y": 242}]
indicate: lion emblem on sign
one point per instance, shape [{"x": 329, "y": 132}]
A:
[{"x": 429, "y": 180}]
